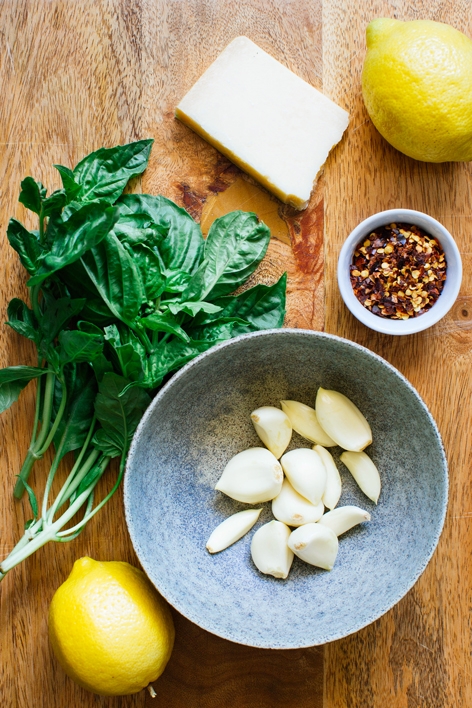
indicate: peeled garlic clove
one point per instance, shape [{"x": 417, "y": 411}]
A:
[
  {"x": 273, "y": 427},
  {"x": 305, "y": 422},
  {"x": 252, "y": 476},
  {"x": 333, "y": 487},
  {"x": 315, "y": 544},
  {"x": 269, "y": 549},
  {"x": 306, "y": 473},
  {"x": 342, "y": 420},
  {"x": 232, "y": 529},
  {"x": 344, "y": 518},
  {"x": 293, "y": 509},
  {"x": 364, "y": 472}
]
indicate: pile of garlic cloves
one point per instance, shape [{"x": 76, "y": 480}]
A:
[{"x": 300, "y": 483}]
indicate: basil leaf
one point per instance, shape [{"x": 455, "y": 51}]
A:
[
  {"x": 54, "y": 229},
  {"x": 192, "y": 308},
  {"x": 97, "y": 312},
  {"x": 89, "y": 327},
  {"x": 33, "y": 197},
  {"x": 101, "y": 366},
  {"x": 22, "y": 319},
  {"x": 54, "y": 203},
  {"x": 105, "y": 173},
  {"x": 164, "y": 322},
  {"x": 75, "y": 346},
  {"x": 71, "y": 188},
  {"x": 26, "y": 244},
  {"x": 80, "y": 232},
  {"x": 57, "y": 313},
  {"x": 236, "y": 244},
  {"x": 135, "y": 229},
  {"x": 75, "y": 423},
  {"x": 122, "y": 334},
  {"x": 13, "y": 380},
  {"x": 129, "y": 355},
  {"x": 169, "y": 356},
  {"x": 112, "y": 335},
  {"x": 131, "y": 364},
  {"x": 106, "y": 443},
  {"x": 32, "y": 194},
  {"x": 182, "y": 246},
  {"x": 79, "y": 284},
  {"x": 262, "y": 307},
  {"x": 116, "y": 277},
  {"x": 74, "y": 206},
  {"x": 141, "y": 239},
  {"x": 221, "y": 329},
  {"x": 56, "y": 288},
  {"x": 32, "y": 498},
  {"x": 176, "y": 280},
  {"x": 149, "y": 265},
  {"x": 119, "y": 413}
]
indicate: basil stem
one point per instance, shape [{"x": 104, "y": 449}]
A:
[
  {"x": 34, "y": 297},
  {"x": 45, "y": 436},
  {"x": 88, "y": 516},
  {"x": 67, "y": 489},
  {"x": 49, "y": 531}
]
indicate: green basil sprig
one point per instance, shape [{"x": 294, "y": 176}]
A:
[{"x": 124, "y": 291}]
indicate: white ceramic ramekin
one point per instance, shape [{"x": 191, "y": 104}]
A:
[{"x": 451, "y": 286}]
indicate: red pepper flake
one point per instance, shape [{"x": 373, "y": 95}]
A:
[{"x": 398, "y": 271}]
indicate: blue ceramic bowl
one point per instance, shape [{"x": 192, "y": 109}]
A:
[{"x": 200, "y": 419}]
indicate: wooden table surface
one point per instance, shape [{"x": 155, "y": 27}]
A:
[{"x": 79, "y": 74}]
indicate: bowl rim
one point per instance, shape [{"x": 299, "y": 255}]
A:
[
  {"x": 451, "y": 287},
  {"x": 213, "y": 351}
]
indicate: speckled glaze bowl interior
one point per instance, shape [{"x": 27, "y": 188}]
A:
[{"x": 200, "y": 419}]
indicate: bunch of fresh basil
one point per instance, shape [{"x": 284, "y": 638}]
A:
[{"x": 124, "y": 290}]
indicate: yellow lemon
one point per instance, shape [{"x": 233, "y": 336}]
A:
[
  {"x": 417, "y": 88},
  {"x": 110, "y": 630}
]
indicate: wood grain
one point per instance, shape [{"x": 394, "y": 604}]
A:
[
  {"x": 80, "y": 75},
  {"x": 77, "y": 75},
  {"x": 418, "y": 654},
  {"x": 183, "y": 167},
  {"x": 209, "y": 672},
  {"x": 71, "y": 76}
]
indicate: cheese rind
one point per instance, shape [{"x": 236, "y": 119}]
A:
[{"x": 265, "y": 119}]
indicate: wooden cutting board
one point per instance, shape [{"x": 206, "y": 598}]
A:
[{"x": 79, "y": 74}]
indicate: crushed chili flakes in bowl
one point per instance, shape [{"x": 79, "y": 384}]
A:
[{"x": 398, "y": 271}]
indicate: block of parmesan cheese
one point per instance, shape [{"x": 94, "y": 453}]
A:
[{"x": 265, "y": 119}]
